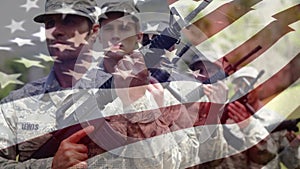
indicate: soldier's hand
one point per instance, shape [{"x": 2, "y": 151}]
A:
[
  {"x": 70, "y": 153},
  {"x": 293, "y": 138},
  {"x": 238, "y": 112},
  {"x": 217, "y": 92},
  {"x": 157, "y": 91}
]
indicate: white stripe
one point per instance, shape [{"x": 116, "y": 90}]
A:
[
  {"x": 243, "y": 29},
  {"x": 278, "y": 55},
  {"x": 285, "y": 106},
  {"x": 5, "y": 48},
  {"x": 271, "y": 6}
]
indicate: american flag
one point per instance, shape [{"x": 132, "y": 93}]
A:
[{"x": 230, "y": 27}]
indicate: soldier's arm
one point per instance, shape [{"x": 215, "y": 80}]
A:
[
  {"x": 8, "y": 148},
  {"x": 8, "y": 143},
  {"x": 289, "y": 156},
  {"x": 32, "y": 163}
]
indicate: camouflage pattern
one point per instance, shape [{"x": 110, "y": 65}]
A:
[
  {"x": 280, "y": 152},
  {"x": 209, "y": 137},
  {"x": 29, "y": 114},
  {"x": 26, "y": 113},
  {"x": 271, "y": 150},
  {"x": 166, "y": 146},
  {"x": 33, "y": 111},
  {"x": 86, "y": 8},
  {"x": 269, "y": 147},
  {"x": 126, "y": 7}
]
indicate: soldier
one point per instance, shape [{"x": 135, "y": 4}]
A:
[
  {"x": 147, "y": 112},
  {"x": 71, "y": 28},
  {"x": 209, "y": 133},
  {"x": 210, "y": 110},
  {"x": 273, "y": 149}
]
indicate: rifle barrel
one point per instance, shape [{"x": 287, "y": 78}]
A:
[{"x": 247, "y": 56}]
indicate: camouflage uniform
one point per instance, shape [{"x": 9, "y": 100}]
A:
[
  {"x": 273, "y": 146},
  {"x": 247, "y": 137},
  {"x": 25, "y": 114},
  {"x": 159, "y": 137},
  {"x": 209, "y": 135},
  {"x": 29, "y": 114}
]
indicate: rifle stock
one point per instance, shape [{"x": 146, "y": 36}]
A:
[{"x": 289, "y": 125}]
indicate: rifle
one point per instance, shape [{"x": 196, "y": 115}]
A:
[
  {"x": 154, "y": 51},
  {"x": 242, "y": 96},
  {"x": 228, "y": 135},
  {"x": 155, "y": 48},
  {"x": 105, "y": 135},
  {"x": 289, "y": 125},
  {"x": 220, "y": 75}
]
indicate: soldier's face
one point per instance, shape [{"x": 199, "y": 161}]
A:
[
  {"x": 66, "y": 35},
  {"x": 119, "y": 33},
  {"x": 242, "y": 84}
]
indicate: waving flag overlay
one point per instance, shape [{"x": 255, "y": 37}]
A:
[{"x": 229, "y": 29}]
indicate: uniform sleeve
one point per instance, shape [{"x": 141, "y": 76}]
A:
[
  {"x": 241, "y": 139},
  {"x": 8, "y": 143},
  {"x": 185, "y": 137},
  {"x": 254, "y": 132},
  {"x": 211, "y": 138},
  {"x": 29, "y": 164},
  {"x": 290, "y": 155},
  {"x": 8, "y": 132}
]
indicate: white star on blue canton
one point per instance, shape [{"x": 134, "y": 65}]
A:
[
  {"x": 30, "y": 4},
  {"x": 14, "y": 26},
  {"x": 41, "y": 34},
  {"x": 22, "y": 42}
]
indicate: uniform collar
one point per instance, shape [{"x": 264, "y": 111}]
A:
[
  {"x": 51, "y": 84},
  {"x": 94, "y": 78}
]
